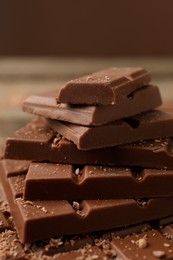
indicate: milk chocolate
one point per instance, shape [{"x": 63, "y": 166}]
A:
[
  {"x": 46, "y": 181},
  {"x": 36, "y": 220},
  {"x": 140, "y": 100},
  {"x": 37, "y": 142},
  {"x": 104, "y": 87},
  {"x": 153, "y": 124},
  {"x": 143, "y": 246},
  {"x": 146, "y": 240}
]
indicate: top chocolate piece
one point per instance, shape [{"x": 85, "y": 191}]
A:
[{"x": 104, "y": 87}]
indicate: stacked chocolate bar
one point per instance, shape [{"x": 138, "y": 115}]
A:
[{"x": 97, "y": 157}]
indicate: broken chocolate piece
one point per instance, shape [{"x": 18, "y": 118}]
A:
[
  {"x": 46, "y": 181},
  {"x": 141, "y": 100},
  {"x": 154, "y": 246},
  {"x": 98, "y": 245},
  {"x": 36, "y": 220},
  {"x": 104, "y": 87},
  {"x": 37, "y": 142},
  {"x": 153, "y": 124}
]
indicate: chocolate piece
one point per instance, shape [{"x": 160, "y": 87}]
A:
[
  {"x": 45, "y": 181},
  {"x": 148, "y": 245},
  {"x": 153, "y": 124},
  {"x": 140, "y": 100},
  {"x": 105, "y": 244},
  {"x": 104, "y": 87},
  {"x": 37, "y": 142},
  {"x": 43, "y": 219},
  {"x": 14, "y": 166}
]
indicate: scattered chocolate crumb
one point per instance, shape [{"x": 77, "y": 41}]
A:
[
  {"x": 56, "y": 141},
  {"x": 104, "y": 244},
  {"x": 110, "y": 252},
  {"x": 89, "y": 78},
  {"x": 44, "y": 209},
  {"x": 142, "y": 202},
  {"x": 142, "y": 242},
  {"x": 55, "y": 242},
  {"x": 77, "y": 172},
  {"x": 29, "y": 202},
  {"x": 76, "y": 205},
  {"x": 159, "y": 253},
  {"x": 166, "y": 245},
  {"x": 168, "y": 236}
]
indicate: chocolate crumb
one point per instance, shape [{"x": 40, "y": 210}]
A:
[
  {"x": 56, "y": 141},
  {"x": 166, "y": 245},
  {"x": 142, "y": 242},
  {"x": 142, "y": 202},
  {"x": 77, "y": 172},
  {"x": 159, "y": 253},
  {"x": 55, "y": 242},
  {"x": 44, "y": 209},
  {"x": 29, "y": 202},
  {"x": 76, "y": 205}
]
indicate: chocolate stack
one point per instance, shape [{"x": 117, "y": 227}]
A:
[{"x": 97, "y": 157}]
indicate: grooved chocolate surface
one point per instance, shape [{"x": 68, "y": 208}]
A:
[
  {"x": 153, "y": 124},
  {"x": 104, "y": 87},
  {"x": 36, "y": 220},
  {"x": 140, "y": 100},
  {"x": 143, "y": 240},
  {"x": 37, "y": 142},
  {"x": 48, "y": 181}
]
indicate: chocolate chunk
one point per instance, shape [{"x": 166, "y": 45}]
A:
[
  {"x": 140, "y": 100},
  {"x": 129, "y": 248},
  {"x": 153, "y": 124},
  {"x": 46, "y": 181},
  {"x": 110, "y": 244},
  {"x": 37, "y": 142},
  {"x": 104, "y": 87},
  {"x": 36, "y": 220},
  {"x": 14, "y": 166}
]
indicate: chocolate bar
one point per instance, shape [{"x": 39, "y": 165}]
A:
[
  {"x": 37, "y": 142},
  {"x": 153, "y": 124},
  {"x": 148, "y": 240},
  {"x": 141, "y": 100},
  {"x": 95, "y": 246},
  {"x": 46, "y": 181},
  {"x": 105, "y": 87},
  {"x": 143, "y": 246},
  {"x": 36, "y": 220}
]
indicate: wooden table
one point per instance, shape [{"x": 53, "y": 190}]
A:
[{"x": 20, "y": 77}]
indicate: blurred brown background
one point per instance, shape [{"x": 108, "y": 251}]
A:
[
  {"x": 88, "y": 27},
  {"x": 45, "y": 43}
]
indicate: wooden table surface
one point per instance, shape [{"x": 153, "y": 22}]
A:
[{"x": 20, "y": 77}]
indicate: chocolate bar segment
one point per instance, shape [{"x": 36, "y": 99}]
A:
[
  {"x": 140, "y": 100},
  {"x": 36, "y": 220},
  {"x": 108, "y": 244},
  {"x": 37, "y": 142},
  {"x": 153, "y": 124},
  {"x": 104, "y": 87},
  {"x": 46, "y": 181},
  {"x": 148, "y": 245}
]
